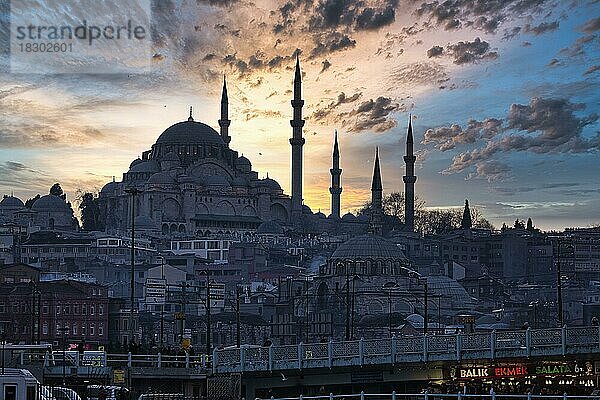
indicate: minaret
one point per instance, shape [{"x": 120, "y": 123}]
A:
[
  {"x": 224, "y": 122},
  {"x": 376, "y": 223},
  {"x": 466, "y": 222},
  {"x": 297, "y": 141},
  {"x": 409, "y": 181},
  {"x": 336, "y": 172}
]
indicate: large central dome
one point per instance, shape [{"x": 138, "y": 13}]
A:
[{"x": 189, "y": 133}]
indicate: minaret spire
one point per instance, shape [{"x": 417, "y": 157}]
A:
[
  {"x": 376, "y": 223},
  {"x": 336, "y": 172},
  {"x": 190, "y": 118},
  {"x": 409, "y": 180},
  {"x": 297, "y": 142},
  {"x": 466, "y": 222},
  {"x": 224, "y": 121}
]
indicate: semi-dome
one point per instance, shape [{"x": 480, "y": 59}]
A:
[
  {"x": 269, "y": 228},
  {"x": 135, "y": 162},
  {"x": 146, "y": 166},
  {"x": 320, "y": 215},
  {"x": 188, "y": 133},
  {"x": 11, "y": 202},
  {"x": 306, "y": 209},
  {"x": 50, "y": 203},
  {"x": 161, "y": 178},
  {"x": 368, "y": 246}
]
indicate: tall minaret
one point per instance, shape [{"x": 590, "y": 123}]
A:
[
  {"x": 224, "y": 122},
  {"x": 376, "y": 223},
  {"x": 409, "y": 181},
  {"x": 297, "y": 141},
  {"x": 336, "y": 172}
]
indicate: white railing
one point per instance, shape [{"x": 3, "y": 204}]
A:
[
  {"x": 434, "y": 396},
  {"x": 423, "y": 348}
]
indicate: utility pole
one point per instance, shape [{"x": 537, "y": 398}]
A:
[
  {"x": 559, "y": 286},
  {"x": 426, "y": 311},
  {"x": 208, "y": 331},
  {"x": 133, "y": 192},
  {"x": 237, "y": 316}
]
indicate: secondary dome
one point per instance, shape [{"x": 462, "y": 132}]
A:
[
  {"x": 188, "y": 133},
  {"x": 11, "y": 202},
  {"x": 269, "y": 228},
  {"x": 50, "y": 203},
  {"x": 146, "y": 166},
  {"x": 368, "y": 246}
]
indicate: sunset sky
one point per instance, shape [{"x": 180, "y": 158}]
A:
[{"x": 504, "y": 94}]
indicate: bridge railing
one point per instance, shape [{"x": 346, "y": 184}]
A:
[
  {"x": 433, "y": 396},
  {"x": 421, "y": 348}
]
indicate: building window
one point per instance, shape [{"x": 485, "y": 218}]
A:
[
  {"x": 74, "y": 329},
  {"x": 92, "y": 329},
  {"x": 45, "y": 309},
  {"x": 92, "y": 310},
  {"x": 101, "y": 330},
  {"x": 199, "y": 245},
  {"x": 45, "y": 329},
  {"x": 101, "y": 309},
  {"x": 57, "y": 310}
]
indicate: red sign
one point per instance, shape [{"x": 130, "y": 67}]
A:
[{"x": 502, "y": 372}]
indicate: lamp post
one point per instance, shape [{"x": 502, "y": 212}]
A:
[
  {"x": 3, "y": 339},
  {"x": 133, "y": 192},
  {"x": 389, "y": 286}
]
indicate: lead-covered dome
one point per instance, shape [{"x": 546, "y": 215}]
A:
[
  {"x": 189, "y": 133},
  {"x": 50, "y": 203},
  {"x": 368, "y": 247},
  {"x": 11, "y": 202}
]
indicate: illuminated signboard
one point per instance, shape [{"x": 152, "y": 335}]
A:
[
  {"x": 520, "y": 370},
  {"x": 504, "y": 371}
]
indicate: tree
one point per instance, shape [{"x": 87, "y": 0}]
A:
[
  {"x": 529, "y": 224},
  {"x": 90, "y": 211},
  {"x": 427, "y": 221},
  {"x": 32, "y": 200},
  {"x": 56, "y": 190},
  {"x": 519, "y": 224}
]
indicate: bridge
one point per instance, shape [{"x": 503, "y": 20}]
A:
[
  {"x": 365, "y": 364},
  {"x": 410, "y": 349}
]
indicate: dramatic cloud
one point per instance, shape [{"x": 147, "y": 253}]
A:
[
  {"x": 435, "y": 51},
  {"x": 485, "y": 15},
  {"x": 541, "y": 28},
  {"x": 329, "y": 14},
  {"x": 322, "y": 113},
  {"x": 559, "y": 131},
  {"x": 470, "y": 52},
  {"x": 492, "y": 171},
  {"x": 372, "y": 115},
  {"x": 446, "y": 138},
  {"x": 420, "y": 73},
  {"x": 331, "y": 42},
  {"x": 592, "y": 69}
]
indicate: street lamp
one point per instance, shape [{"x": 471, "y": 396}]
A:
[
  {"x": 64, "y": 331},
  {"x": 133, "y": 192}
]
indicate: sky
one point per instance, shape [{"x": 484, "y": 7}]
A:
[{"x": 504, "y": 96}]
